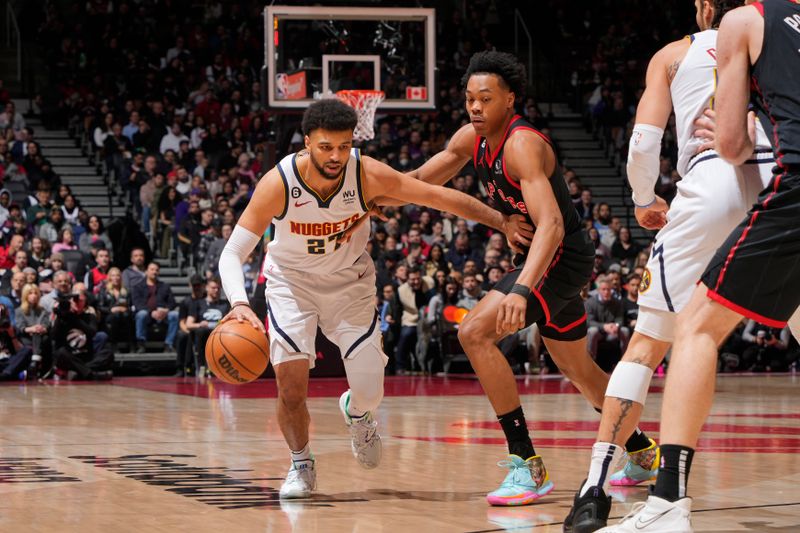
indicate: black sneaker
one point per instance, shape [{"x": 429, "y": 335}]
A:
[{"x": 589, "y": 512}]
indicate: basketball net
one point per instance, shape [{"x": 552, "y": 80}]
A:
[{"x": 365, "y": 103}]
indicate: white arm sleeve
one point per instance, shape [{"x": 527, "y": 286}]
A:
[
  {"x": 233, "y": 256},
  {"x": 644, "y": 150}
]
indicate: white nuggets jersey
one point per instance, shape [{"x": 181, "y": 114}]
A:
[
  {"x": 693, "y": 90},
  {"x": 305, "y": 235}
]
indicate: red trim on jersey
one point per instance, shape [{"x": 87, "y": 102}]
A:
[
  {"x": 555, "y": 260},
  {"x": 544, "y": 137},
  {"x": 502, "y": 141},
  {"x": 744, "y": 312},
  {"x": 568, "y": 327},
  {"x": 776, "y": 180},
  {"x": 548, "y": 323},
  {"x": 543, "y": 304},
  {"x": 759, "y": 6},
  {"x": 511, "y": 181},
  {"x": 475, "y": 151},
  {"x": 776, "y": 139}
]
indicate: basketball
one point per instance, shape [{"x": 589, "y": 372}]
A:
[{"x": 236, "y": 352}]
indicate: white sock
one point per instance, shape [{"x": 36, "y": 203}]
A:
[
  {"x": 302, "y": 455},
  {"x": 605, "y": 456}
]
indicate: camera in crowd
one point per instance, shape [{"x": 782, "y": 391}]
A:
[{"x": 64, "y": 301}]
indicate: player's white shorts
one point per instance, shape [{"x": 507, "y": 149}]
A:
[
  {"x": 712, "y": 199},
  {"x": 342, "y": 304}
]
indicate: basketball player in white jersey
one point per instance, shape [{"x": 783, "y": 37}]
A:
[
  {"x": 317, "y": 277},
  {"x": 712, "y": 198}
]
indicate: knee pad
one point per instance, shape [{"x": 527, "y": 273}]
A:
[
  {"x": 630, "y": 381},
  {"x": 365, "y": 376}
]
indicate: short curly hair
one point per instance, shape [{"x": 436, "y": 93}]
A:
[
  {"x": 329, "y": 114},
  {"x": 721, "y": 7},
  {"x": 505, "y": 66}
]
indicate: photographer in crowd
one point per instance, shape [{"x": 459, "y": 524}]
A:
[{"x": 74, "y": 330}]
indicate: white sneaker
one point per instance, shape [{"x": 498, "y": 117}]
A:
[
  {"x": 656, "y": 515},
  {"x": 300, "y": 481},
  {"x": 366, "y": 443}
]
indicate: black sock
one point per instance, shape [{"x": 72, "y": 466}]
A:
[
  {"x": 516, "y": 430},
  {"x": 637, "y": 442},
  {"x": 673, "y": 475}
]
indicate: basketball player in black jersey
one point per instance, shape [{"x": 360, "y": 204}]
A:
[
  {"x": 518, "y": 167},
  {"x": 754, "y": 274}
]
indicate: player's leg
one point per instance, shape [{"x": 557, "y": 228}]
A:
[
  {"x": 752, "y": 274},
  {"x": 348, "y": 318},
  {"x": 293, "y": 417},
  {"x": 622, "y": 408},
  {"x": 364, "y": 370},
  {"x": 293, "y": 326},
  {"x": 294, "y": 420},
  {"x": 527, "y": 479}
]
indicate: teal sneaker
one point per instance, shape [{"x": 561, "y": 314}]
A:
[
  {"x": 526, "y": 481},
  {"x": 642, "y": 466}
]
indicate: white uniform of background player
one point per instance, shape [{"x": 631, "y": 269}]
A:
[{"x": 712, "y": 197}]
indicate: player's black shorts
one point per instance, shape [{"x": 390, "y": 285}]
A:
[
  {"x": 556, "y": 304},
  {"x": 755, "y": 272}
]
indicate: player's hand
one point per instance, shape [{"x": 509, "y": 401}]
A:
[
  {"x": 705, "y": 129},
  {"x": 374, "y": 211},
  {"x": 511, "y": 314},
  {"x": 243, "y": 313},
  {"x": 518, "y": 232},
  {"x": 653, "y": 217}
]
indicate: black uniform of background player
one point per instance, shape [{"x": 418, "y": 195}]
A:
[
  {"x": 755, "y": 272},
  {"x": 555, "y": 303}
]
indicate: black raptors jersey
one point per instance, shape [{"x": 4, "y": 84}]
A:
[
  {"x": 507, "y": 192},
  {"x": 776, "y": 78}
]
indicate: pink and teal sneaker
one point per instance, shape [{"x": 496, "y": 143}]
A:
[
  {"x": 642, "y": 466},
  {"x": 527, "y": 480}
]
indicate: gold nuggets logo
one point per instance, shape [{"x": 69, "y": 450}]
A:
[{"x": 646, "y": 279}]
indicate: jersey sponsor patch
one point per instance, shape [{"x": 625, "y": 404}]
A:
[{"x": 647, "y": 279}]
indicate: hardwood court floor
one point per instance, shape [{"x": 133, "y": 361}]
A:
[{"x": 167, "y": 455}]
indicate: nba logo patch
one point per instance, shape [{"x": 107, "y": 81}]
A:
[{"x": 646, "y": 281}]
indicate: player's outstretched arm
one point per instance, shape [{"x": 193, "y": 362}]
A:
[
  {"x": 739, "y": 43},
  {"x": 644, "y": 149},
  {"x": 382, "y": 180},
  {"x": 268, "y": 201},
  {"x": 440, "y": 168}
]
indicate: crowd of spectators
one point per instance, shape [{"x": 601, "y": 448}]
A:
[{"x": 165, "y": 99}]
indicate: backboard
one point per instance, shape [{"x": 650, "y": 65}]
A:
[{"x": 317, "y": 50}]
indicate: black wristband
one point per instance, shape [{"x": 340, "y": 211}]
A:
[{"x": 522, "y": 290}]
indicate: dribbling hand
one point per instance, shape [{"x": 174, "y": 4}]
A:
[{"x": 243, "y": 313}]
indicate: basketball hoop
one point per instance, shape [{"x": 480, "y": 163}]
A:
[{"x": 365, "y": 103}]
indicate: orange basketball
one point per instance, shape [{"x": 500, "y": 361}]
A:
[{"x": 236, "y": 352}]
